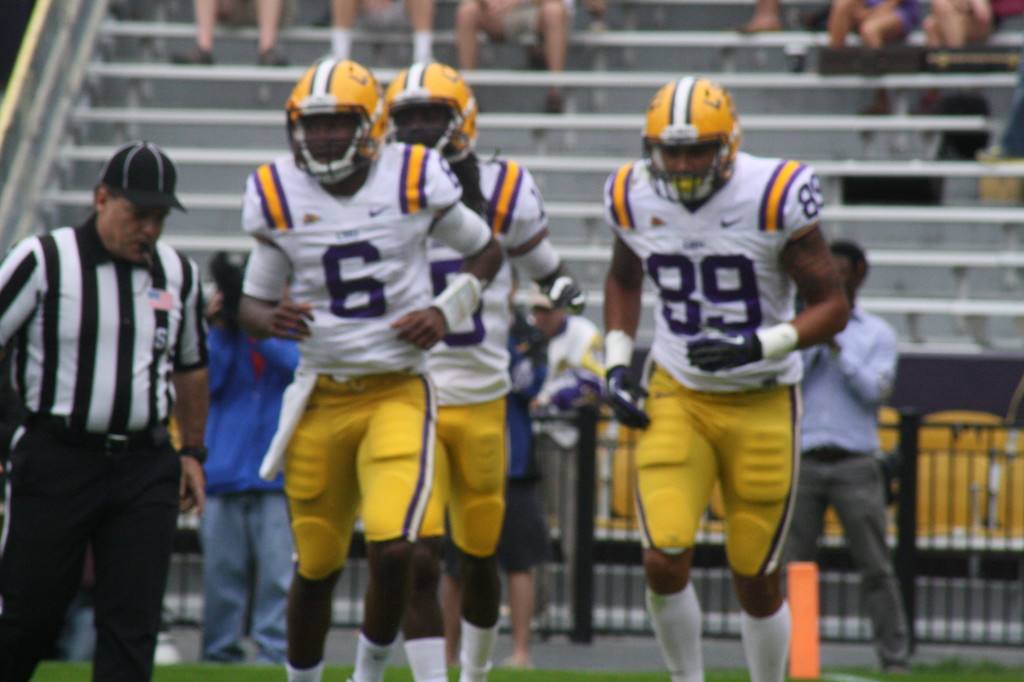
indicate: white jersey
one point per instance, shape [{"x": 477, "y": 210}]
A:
[
  {"x": 719, "y": 266},
  {"x": 360, "y": 261},
  {"x": 471, "y": 364}
]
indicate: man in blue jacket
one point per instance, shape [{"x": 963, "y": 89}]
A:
[{"x": 247, "y": 541}]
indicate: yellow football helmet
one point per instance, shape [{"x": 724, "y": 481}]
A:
[
  {"x": 335, "y": 87},
  {"x": 433, "y": 85},
  {"x": 691, "y": 112}
]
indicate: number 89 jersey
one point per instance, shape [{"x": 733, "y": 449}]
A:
[{"x": 718, "y": 267}]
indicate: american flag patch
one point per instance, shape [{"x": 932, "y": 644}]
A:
[{"x": 160, "y": 299}]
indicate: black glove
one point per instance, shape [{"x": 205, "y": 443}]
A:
[
  {"x": 715, "y": 350},
  {"x": 624, "y": 394},
  {"x": 566, "y": 293}
]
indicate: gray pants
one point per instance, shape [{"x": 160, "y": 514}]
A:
[{"x": 853, "y": 486}]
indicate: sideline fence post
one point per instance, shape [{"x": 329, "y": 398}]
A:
[
  {"x": 583, "y": 559},
  {"x": 905, "y": 557}
]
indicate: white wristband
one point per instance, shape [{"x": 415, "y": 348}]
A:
[
  {"x": 618, "y": 349},
  {"x": 778, "y": 340},
  {"x": 459, "y": 299}
]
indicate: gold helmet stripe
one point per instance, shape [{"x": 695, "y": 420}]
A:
[
  {"x": 682, "y": 102},
  {"x": 416, "y": 76},
  {"x": 321, "y": 84}
]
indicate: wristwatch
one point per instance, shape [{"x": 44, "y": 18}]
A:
[{"x": 196, "y": 452}]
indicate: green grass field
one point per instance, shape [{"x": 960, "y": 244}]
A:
[{"x": 947, "y": 672}]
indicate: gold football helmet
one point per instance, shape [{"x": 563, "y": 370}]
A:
[
  {"x": 698, "y": 114},
  {"x": 336, "y": 88},
  {"x": 423, "y": 86}
]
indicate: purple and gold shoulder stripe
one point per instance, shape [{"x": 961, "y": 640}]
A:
[
  {"x": 504, "y": 197},
  {"x": 773, "y": 202},
  {"x": 272, "y": 198},
  {"x": 412, "y": 191},
  {"x": 618, "y": 191}
]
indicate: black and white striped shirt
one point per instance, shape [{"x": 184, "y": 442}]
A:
[{"x": 95, "y": 340}]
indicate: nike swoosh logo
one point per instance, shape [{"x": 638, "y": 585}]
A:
[
  {"x": 734, "y": 340},
  {"x": 730, "y": 223},
  {"x": 377, "y": 210}
]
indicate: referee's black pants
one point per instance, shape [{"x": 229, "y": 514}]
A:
[{"x": 61, "y": 497}]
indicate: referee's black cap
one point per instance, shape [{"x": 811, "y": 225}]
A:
[{"x": 144, "y": 174}]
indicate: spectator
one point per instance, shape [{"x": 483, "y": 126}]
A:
[
  {"x": 549, "y": 20},
  {"x": 845, "y": 382},
  {"x": 575, "y": 374},
  {"x": 268, "y": 20},
  {"x": 357, "y": 427},
  {"x": 766, "y": 18},
  {"x": 524, "y": 540},
  {"x": 1011, "y": 142},
  {"x": 105, "y": 324},
  {"x": 955, "y": 23},
  {"x": 247, "y": 542},
  {"x": 878, "y": 23},
  {"x": 383, "y": 15},
  {"x": 721, "y": 378}
]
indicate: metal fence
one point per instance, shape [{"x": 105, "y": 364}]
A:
[{"x": 957, "y": 532}]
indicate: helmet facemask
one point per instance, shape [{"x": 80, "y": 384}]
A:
[
  {"x": 686, "y": 182},
  {"x": 431, "y": 124},
  {"x": 328, "y": 154}
]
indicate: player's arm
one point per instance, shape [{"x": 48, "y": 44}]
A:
[
  {"x": 623, "y": 288},
  {"x": 463, "y": 230},
  {"x": 262, "y": 312},
  {"x": 808, "y": 261}
]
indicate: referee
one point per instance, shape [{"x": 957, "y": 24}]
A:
[{"x": 105, "y": 327}]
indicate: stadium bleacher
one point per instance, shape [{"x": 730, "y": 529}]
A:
[{"x": 947, "y": 275}]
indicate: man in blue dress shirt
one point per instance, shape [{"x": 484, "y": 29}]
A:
[{"x": 845, "y": 382}]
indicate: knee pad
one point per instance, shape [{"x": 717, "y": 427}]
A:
[
  {"x": 667, "y": 519},
  {"x": 321, "y": 550},
  {"x": 748, "y": 542},
  {"x": 477, "y": 531}
]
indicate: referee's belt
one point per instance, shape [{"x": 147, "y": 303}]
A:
[
  {"x": 830, "y": 454},
  {"x": 111, "y": 444}
]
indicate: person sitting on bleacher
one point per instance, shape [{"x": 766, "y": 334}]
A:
[
  {"x": 511, "y": 19},
  {"x": 383, "y": 15},
  {"x": 956, "y": 23},
  {"x": 878, "y": 23},
  {"x": 207, "y": 12}
]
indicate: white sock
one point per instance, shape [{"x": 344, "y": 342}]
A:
[
  {"x": 305, "y": 674},
  {"x": 341, "y": 42},
  {"x": 475, "y": 652},
  {"x": 426, "y": 659},
  {"x": 676, "y": 619},
  {"x": 422, "y": 46},
  {"x": 766, "y": 644},
  {"x": 371, "y": 660}
]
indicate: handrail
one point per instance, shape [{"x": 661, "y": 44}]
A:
[{"x": 51, "y": 66}]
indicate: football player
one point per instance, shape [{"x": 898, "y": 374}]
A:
[
  {"x": 344, "y": 223},
  {"x": 727, "y": 240},
  {"x": 431, "y": 105}
]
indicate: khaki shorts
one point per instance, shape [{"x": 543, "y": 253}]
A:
[{"x": 520, "y": 21}]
